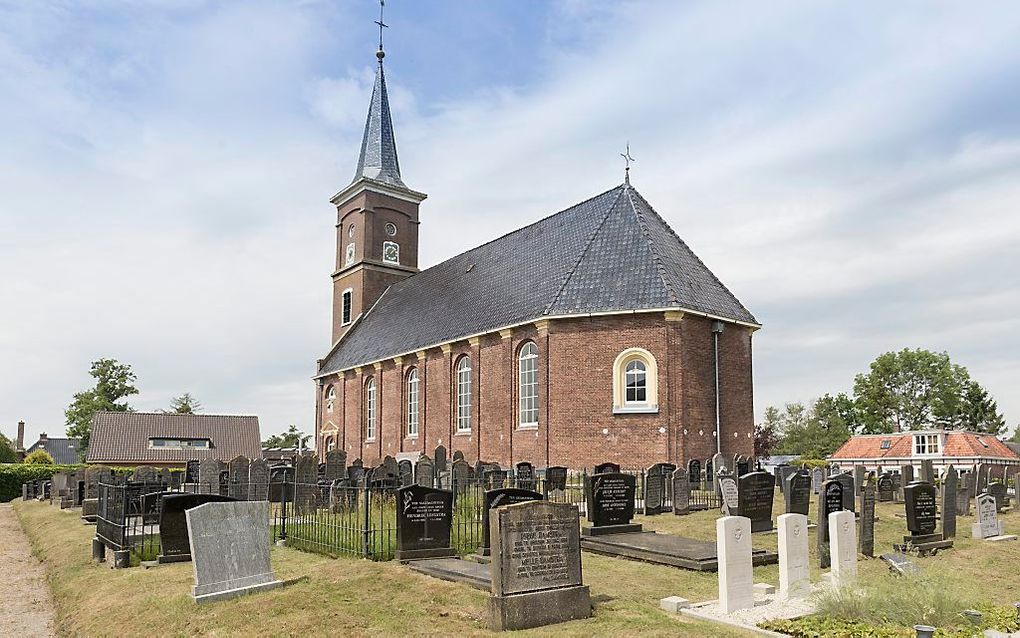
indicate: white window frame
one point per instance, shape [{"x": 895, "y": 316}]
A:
[
  {"x": 350, "y": 254},
  {"x": 927, "y": 444},
  {"x": 387, "y": 244},
  {"x": 464, "y": 395},
  {"x": 639, "y": 370},
  {"x": 412, "y": 403},
  {"x": 370, "y": 409},
  {"x": 623, "y": 361},
  {"x": 527, "y": 386},
  {"x": 330, "y": 443},
  {"x": 347, "y": 306},
  {"x": 330, "y": 398}
]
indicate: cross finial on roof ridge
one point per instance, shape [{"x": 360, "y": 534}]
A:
[
  {"x": 627, "y": 159},
  {"x": 382, "y": 25}
]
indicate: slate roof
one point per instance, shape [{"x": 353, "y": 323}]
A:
[
  {"x": 378, "y": 159},
  {"x": 123, "y": 437},
  {"x": 956, "y": 444},
  {"x": 63, "y": 451},
  {"x": 610, "y": 253}
]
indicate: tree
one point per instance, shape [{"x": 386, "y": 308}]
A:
[
  {"x": 1016, "y": 434},
  {"x": 766, "y": 434},
  {"x": 7, "y": 453},
  {"x": 114, "y": 382},
  {"x": 910, "y": 390},
  {"x": 814, "y": 432},
  {"x": 184, "y": 404},
  {"x": 981, "y": 412},
  {"x": 291, "y": 438},
  {"x": 39, "y": 457}
]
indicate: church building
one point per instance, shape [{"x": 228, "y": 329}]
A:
[{"x": 593, "y": 335}]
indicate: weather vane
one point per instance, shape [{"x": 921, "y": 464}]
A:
[
  {"x": 627, "y": 159},
  {"x": 382, "y": 25}
]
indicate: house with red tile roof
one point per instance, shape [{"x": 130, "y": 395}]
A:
[{"x": 963, "y": 450}]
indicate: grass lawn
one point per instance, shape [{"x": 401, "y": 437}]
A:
[{"x": 351, "y": 596}]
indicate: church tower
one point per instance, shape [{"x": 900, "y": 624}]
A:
[{"x": 377, "y": 218}]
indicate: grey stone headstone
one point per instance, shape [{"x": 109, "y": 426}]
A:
[
  {"x": 258, "y": 480},
  {"x": 927, "y": 471},
  {"x": 729, "y": 492},
  {"x": 536, "y": 566},
  {"x": 458, "y": 455},
  {"x": 336, "y": 465},
  {"x": 681, "y": 492},
  {"x": 987, "y": 524},
  {"x": 230, "y": 549},
  {"x": 950, "y": 494},
  {"x": 998, "y": 490},
  {"x": 425, "y": 472},
  {"x": 460, "y": 475},
  {"x": 440, "y": 459},
  {"x": 406, "y": 469},
  {"x": 859, "y": 473},
  {"x": 817, "y": 478},
  {"x": 306, "y": 477},
  {"x": 866, "y": 538},
  {"x": 238, "y": 478},
  {"x": 718, "y": 466},
  {"x": 886, "y": 488},
  {"x": 655, "y": 489},
  {"x": 209, "y": 476}
]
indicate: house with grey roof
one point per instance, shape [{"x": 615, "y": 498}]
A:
[
  {"x": 171, "y": 440},
  {"x": 63, "y": 450},
  {"x": 595, "y": 334}
]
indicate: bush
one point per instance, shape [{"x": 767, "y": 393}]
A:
[
  {"x": 39, "y": 457},
  {"x": 810, "y": 464},
  {"x": 7, "y": 453},
  {"x": 13, "y": 475}
]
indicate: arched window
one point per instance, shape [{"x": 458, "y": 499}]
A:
[
  {"x": 527, "y": 375},
  {"x": 370, "y": 409},
  {"x": 330, "y": 444},
  {"x": 412, "y": 402},
  {"x": 464, "y": 395},
  {"x": 635, "y": 382},
  {"x": 330, "y": 398}
]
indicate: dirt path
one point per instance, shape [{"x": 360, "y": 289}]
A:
[{"x": 27, "y": 608}]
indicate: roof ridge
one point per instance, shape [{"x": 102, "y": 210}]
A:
[
  {"x": 695, "y": 255},
  {"x": 157, "y": 413},
  {"x": 659, "y": 266},
  {"x": 584, "y": 251}
]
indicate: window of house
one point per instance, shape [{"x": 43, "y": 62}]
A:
[
  {"x": 391, "y": 252},
  {"x": 330, "y": 398},
  {"x": 161, "y": 443},
  {"x": 886, "y": 444},
  {"x": 370, "y": 409},
  {"x": 464, "y": 395},
  {"x": 412, "y": 403},
  {"x": 527, "y": 365},
  {"x": 926, "y": 444},
  {"x": 635, "y": 382},
  {"x": 347, "y": 303}
]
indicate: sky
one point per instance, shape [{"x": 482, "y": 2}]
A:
[{"x": 851, "y": 171}]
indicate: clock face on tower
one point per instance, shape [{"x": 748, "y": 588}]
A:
[
  {"x": 349, "y": 258},
  {"x": 391, "y": 252}
]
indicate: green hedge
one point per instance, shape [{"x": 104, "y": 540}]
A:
[{"x": 13, "y": 475}]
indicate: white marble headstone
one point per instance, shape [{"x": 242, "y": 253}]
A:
[
  {"x": 987, "y": 524},
  {"x": 843, "y": 547},
  {"x": 736, "y": 578},
  {"x": 794, "y": 577},
  {"x": 230, "y": 549}
]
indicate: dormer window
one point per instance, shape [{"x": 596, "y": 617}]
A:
[
  {"x": 159, "y": 443},
  {"x": 925, "y": 444},
  {"x": 886, "y": 444}
]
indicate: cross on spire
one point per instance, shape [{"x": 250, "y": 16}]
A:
[
  {"x": 382, "y": 25},
  {"x": 627, "y": 159}
]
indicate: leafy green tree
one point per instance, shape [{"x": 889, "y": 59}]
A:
[
  {"x": 7, "y": 453},
  {"x": 814, "y": 432},
  {"x": 767, "y": 434},
  {"x": 114, "y": 382},
  {"x": 184, "y": 404},
  {"x": 291, "y": 438},
  {"x": 981, "y": 412},
  {"x": 39, "y": 457},
  {"x": 1016, "y": 434}
]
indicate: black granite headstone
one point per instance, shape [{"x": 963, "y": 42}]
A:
[
  {"x": 524, "y": 472},
  {"x": 612, "y": 499},
  {"x": 830, "y": 500},
  {"x": 797, "y": 493},
  {"x": 603, "y": 468},
  {"x": 919, "y": 498},
  {"x": 694, "y": 472},
  {"x": 755, "y": 493},
  {"x": 496, "y": 498},
  {"x": 555, "y": 478},
  {"x": 424, "y": 521},
  {"x": 173, "y": 525}
]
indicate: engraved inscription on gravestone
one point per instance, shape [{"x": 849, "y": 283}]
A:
[
  {"x": 498, "y": 498},
  {"x": 424, "y": 519},
  {"x": 919, "y": 500},
  {"x": 755, "y": 497},
  {"x": 830, "y": 500},
  {"x": 729, "y": 492},
  {"x": 655, "y": 490},
  {"x": 797, "y": 494},
  {"x": 681, "y": 493},
  {"x": 612, "y": 499},
  {"x": 555, "y": 478}
]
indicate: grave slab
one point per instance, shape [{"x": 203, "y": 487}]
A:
[
  {"x": 666, "y": 549},
  {"x": 455, "y": 570}
]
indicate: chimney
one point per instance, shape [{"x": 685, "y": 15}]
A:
[{"x": 20, "y": 444}]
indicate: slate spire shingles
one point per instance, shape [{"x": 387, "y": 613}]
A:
[
  {"x": 609, "y": 253},
  {"x": 378, "y": 159}
]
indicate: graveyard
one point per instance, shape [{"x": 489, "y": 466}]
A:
[{"x": 353, "y": 595}]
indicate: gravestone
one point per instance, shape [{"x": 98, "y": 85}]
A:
[
  {"x": 743, "y": 465},
  {"x": 987, "y": 525},
  {"x": 794, "y": 576},
  {"x": 709, "y": 475},
  {"x": 736, "y": 578},
  {"x": 391, "y": 468},
  {"x": 238, "y": 478},
  {"x": 144, "y": 474},
  {"x": 536, "y": 566},
  {"x": 555, "y": 478},
  {"x": 860, "y": 472},
  {"x": 963, "y": 494},
  {"x": 950, "y": 492},
  {"x": 897, "y": 487},
  {"x": 230, "y": 549},
  {"x": 336, "y": 465},
  {"x": 524, "y": 473},
  {"x": 306, "y": 478},
  {"x": 459, "y": 474},
  {"x": 755, "y": 495},
  {"x": 830, "y": 500},
  {"x": 458, "y": 455},
  {"x": 406, "y": 469},
  {"x": 729, "y": 493},
  {"x": 258, "y": 480},
  {"x": 209, "y": 476},
  {"x": 817, "y": 478},
  {"x": 191, "y": 472},
  {"x": 611, "y": 504},
  {"x": 797, "y": 494},
  {"x": 906, "y": 478},
  {"x": 655, "y": 489},
  {"x": 785, "y": 471},
  {"x": 681, "y": 492},
  {"x": 899, "y": 564},
  {"x": 998, "y": 491},
  {"x": 843, "y": 547},
  {"x": 846, "y": 479},
  {"x": 499, "y": 498},
  {"x": 425, "y": 472},
  {"x": 927, "y": 471},
  {"x": 885, "y": 488},
  {"x": 694, "y": 472},
  {"x": 866, "y": 506},
  {"x": 424, "y": 520},
  {"x": 920, "y": 502},
  {"x": 440, "y": 459},
  {"x": 174, "y": 542},
  {"x": 719, "y": 464},
  {"x": 605, "y": 468}
]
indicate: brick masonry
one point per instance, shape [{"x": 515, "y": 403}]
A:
[{"x": 577, "y": 426}]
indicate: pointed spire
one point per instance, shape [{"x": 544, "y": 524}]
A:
[{"x": 378, "y": 159}]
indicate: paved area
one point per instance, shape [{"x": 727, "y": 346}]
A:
[{"x": 27, "y": 608}]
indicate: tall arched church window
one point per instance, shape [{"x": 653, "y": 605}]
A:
[
  {"x": 464, "y": 395},
  {"x": 527, "y": 380},
  {"x": 412, "y": 402},
  {"x": 635, "y": 382},
  {"x": 370, "y": 409},
  {"x": 330, "y": 398}
]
